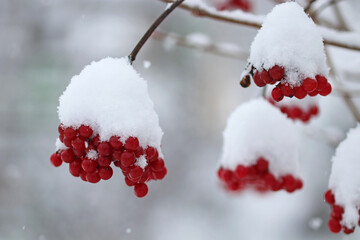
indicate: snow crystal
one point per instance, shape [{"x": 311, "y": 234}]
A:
[
  {"x": 141, "y": 162},
  {"x": 147, "y": 64},
  {"x": 315, "y": 223},
  {"x": 289, "y": 38},
  {"x": 258, "y": 129},
  {"x": 92, "y": 154},
  {"x": 128, "y": 230},
  {"x": 112, "y": 98},
  {"x": 59, "y": 145},
  {"x": 345, "y": 178}
]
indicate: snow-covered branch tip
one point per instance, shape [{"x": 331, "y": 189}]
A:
[
  {"x": 347, "y": 40},
  {"x": 168, "y": 10}
]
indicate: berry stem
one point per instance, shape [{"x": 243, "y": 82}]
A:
[{"x": 152, "y": 28}]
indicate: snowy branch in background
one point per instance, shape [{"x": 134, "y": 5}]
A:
[
  {"x": 201, "y": 42},
  {"x": 348, "y": 40}
]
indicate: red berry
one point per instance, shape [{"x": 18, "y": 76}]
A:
[
  {"x": 83, "y": 175},
  {"x": 326, "y": 90},
  {"x": 277, "y": 94},
  {"x": 337, "y": 211},
  {"x": 67, "y": 156},
  {"x": 242, "y": 171},
  {"x": 105, "y": 173},
  {"x": 289, "y": 183},
  {"x": 115, "y": 142},
  {"x": 295, "y": 113},
  {"x": 300, "y": 93},
  {"x": 132, "y": 143},
  {"x": 70, "y": 133},
  {"x": 104, "y": 149},
  {"x": 329, "y": 197},
  {"x": 116, "y": 155},
  {"x": 161, "y": 174},
  {"x": 298, "y": 184},
  {"x": 276, "y": 72},
  {"x": 78, "y": 144},
  {"x": 96, "y": 140},
  {"x": 262, "y": 165},
  {"x": 141, "y": 190},
  {"x": 287, "y": 90},
  {"x": 93, "y": 177},
  {"x": 75, "y": 168},
  {"x": 129, "y": 182},
  {"x": 321, "y": 81},
  {"x": 334, "y": 226},
  {"x": 348, "y": 230},
  {"x": 85, "y": 131},
  {"x": 127, "y": 158},
  {"x": 314, "y": 110},
  {"x": 135, "y": 172},
  {"x": 89, "y": 166},
  {"x": 257, "y": 80},
  {"x": 265, "y": 77},
  {"x": 67, "y": 142},
  {"x": 269, "y": 179},
  {"x": 104, "y": 161},
  {"x": 158, "y": 165},
  {"x": 309, "y": 84},
  {"x": 55, "y": 160}
]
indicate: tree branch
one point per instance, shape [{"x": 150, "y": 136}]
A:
[
  {"x": 222, "y": 49},
  {"x": 348, "y": 40},
  {"x": 152, "y": 28}
]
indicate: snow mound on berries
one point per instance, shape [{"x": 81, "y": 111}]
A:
[
  {"x": 345, "y": 178},
  {"x": 112, "y": 98},
  {"x": 258, "y": 129},
  {"x": 289, "y": 38}
]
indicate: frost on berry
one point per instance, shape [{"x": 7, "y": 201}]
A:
[
  {"x": 260, "y": 150},
  {"x": 108, "y": 121},
  {"x": 343, "y": 194},
  {"x": 289, "y": 54}
]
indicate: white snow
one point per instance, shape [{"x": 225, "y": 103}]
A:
[
  {"x": 345, "y": 178},
  {"x": 92, "y": 154},
  {"x": 289, "y": 38},
  {"x": 59, "y": 145},
  {"x": 147, "y": 64},
  {"x": 112, "y": 98},
  {"x": 315, "y": 223},
  {"x": 141, "y": 162},
  {"x": 198, "y": 38},
  {"x": 258, "y": 129}
]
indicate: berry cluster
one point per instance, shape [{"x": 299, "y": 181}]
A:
[
  {"x": 257, "y": 177},
  {"x": 309, "y": 86},
  {"x": 296, "y": 113},
  {"x": 235, "y": 4},
  {"x": 90, "y": 159},
  {"x": 336, "y": 215}
]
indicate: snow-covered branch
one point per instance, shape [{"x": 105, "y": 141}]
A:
[
  {"x": 348, "y": 40},
  {"x": 203, "y": 43}
]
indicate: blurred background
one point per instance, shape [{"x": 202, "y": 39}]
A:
[{"x": 43, "y": 43}]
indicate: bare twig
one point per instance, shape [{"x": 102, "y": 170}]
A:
[
  {"x": 308, "y": 7},
  {"x": 152, "y": 28},
  {"x": 321, "y": 8},
  {"x": 256, "y": 21},
  {"x": 226, "y": 50}
]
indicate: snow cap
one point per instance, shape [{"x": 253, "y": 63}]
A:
[
  {"x": 112, "y": 98},
  {"x": 258, "y": 129}
]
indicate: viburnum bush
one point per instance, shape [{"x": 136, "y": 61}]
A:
[{"x": 108, "y": 124}]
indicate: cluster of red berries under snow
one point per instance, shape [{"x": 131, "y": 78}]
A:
[
  {"x": 295, "y": 109},
  {"x": 288, "y": 51},
  {"x": 260, "y": 150},
  {"x": 108, "y": 123},
  {"x": 343, "y": 194}
]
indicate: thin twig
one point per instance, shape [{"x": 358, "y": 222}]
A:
[
  {"x": 308, "y": 7},
  {"x": 225, "y": 50},
  {"x": 256, "y": 21},
  {"x": 323, "y": 7},
  {"x": 152, "y": 28}
]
